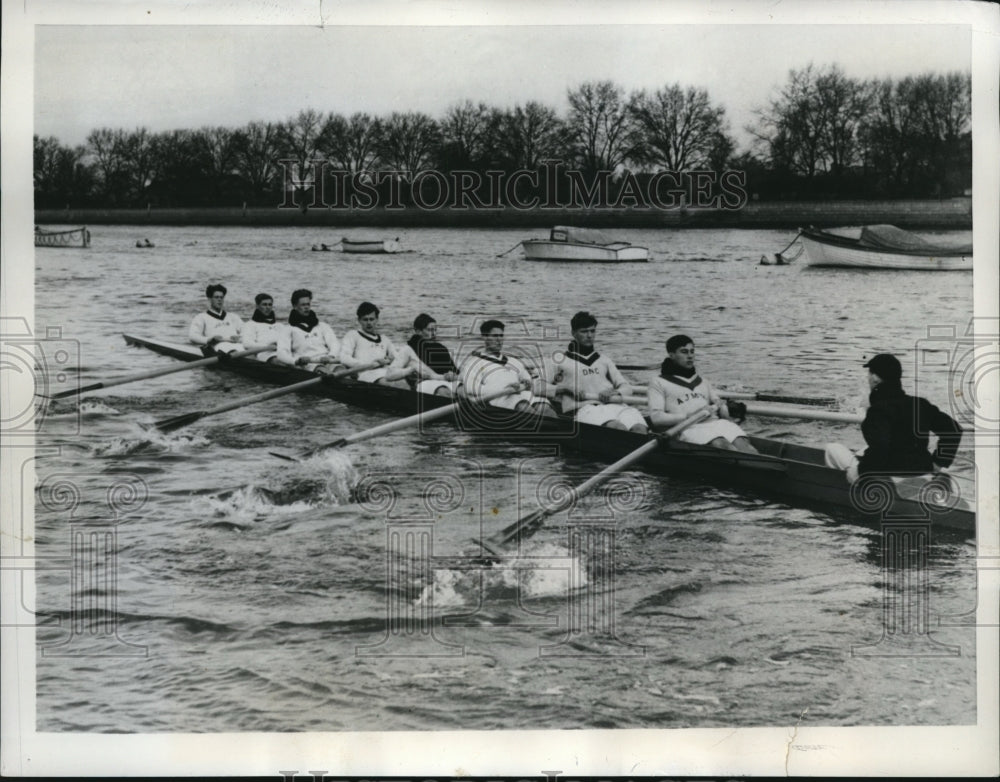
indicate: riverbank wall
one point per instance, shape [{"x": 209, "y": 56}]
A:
[{"x": 928, "y": 214}]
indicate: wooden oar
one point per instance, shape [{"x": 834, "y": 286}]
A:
[
  {"x": 529, "y": 523},
  {"x": 202, "y": 362},
  {"x": 392, "y": 426},
  {"x": 754, "y": 396},
  {"x": 780, "y": 412},
  {"x": 170, "y": 424}
]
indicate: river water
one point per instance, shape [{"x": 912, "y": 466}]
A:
[{"x": 246, "y": 593}]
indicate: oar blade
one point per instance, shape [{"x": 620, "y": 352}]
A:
[
  {"x": 76, "y": 391},
  {"x": 179, "y": 421},
  {"x": 523, "y": 527}
]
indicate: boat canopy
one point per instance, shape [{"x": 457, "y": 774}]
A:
[
  {"x": 563, "y": 233},
  {"x": 889, "y": 237}
]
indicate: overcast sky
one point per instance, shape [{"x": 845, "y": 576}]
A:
[{"x": 167, "y": 77}]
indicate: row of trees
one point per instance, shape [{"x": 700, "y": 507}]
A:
[{"x": 823, "y": 133}]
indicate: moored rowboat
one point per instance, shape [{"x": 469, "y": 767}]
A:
[
  {"x": 369, "y": 246},
  {"x": 581, "y": 244},
  {"x": 782, "y": 470},
  {"x": 74, "y": 237},
  {"x": 883, "y": 247}
]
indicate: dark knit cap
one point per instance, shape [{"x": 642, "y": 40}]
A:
[{"x": 886, "y": 366}]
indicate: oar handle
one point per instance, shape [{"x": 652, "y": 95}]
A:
[
  {"x": 780, "y": 412},
  {"x": 807, "y": 415},
  {"x": 756, "y": 396},
  {"x": 201, "y": 362}
]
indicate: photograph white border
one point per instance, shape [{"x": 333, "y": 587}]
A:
[{"x": 779, "y": 750}]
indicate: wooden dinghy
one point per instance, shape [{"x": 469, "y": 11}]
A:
[
  {"x": 883, "y": 247},
  {"x": 371, "y": 246}
]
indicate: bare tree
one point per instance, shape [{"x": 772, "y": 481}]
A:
[
  {"x": 526, "y": 136},
  {"x": 678, "y": 129},
  {"x": 812, "y": 126},
  {"x": 407, "y": 142},
  {"x": 257, "y": 151},
  {"x": 351, "y": 144},
  {"x": 599, "y": 126},
  {"x": 466, "y": 131}
]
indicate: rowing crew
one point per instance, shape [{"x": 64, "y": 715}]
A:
[{"x": 580, "y": 381}]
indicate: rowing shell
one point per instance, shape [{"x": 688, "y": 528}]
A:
[{"x": 781, "y": 470}]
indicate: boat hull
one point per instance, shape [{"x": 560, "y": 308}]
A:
[
  {"x": 77, "y": 237},
  {"x": 372, "y": 247},
  {"x": 827, "y": 251},
  {"x": 546, "y": 250},
  {"x": 782, "y": 470}
]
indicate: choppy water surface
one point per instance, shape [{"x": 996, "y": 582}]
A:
[{"x": 250, "y": 594}]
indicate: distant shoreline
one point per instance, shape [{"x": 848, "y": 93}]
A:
[{"x": 927, "y": 214}]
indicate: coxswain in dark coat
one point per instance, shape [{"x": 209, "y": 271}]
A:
[{"x": 897, "y": 426}]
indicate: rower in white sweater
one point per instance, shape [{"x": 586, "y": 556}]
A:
[
  {"x": 262, "y": 330},
  {"x": 486, "y": 372},
  {"x": 215, "y": 329},
  {"x": 307, "y": 342},
  {"x": 679, "y": 391},
  {"x": 365, "y": 345},
  {"x": 588, "y": 385}
]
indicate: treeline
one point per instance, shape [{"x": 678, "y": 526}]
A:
[{"x": 822, "y": 135}]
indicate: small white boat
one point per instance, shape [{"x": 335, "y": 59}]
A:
[
  {"x": 883, "y": 247},
  {"x": 371, "y": 245},
  {"x": 582, "y": 244},
  {"x": 73, "y": 237}
]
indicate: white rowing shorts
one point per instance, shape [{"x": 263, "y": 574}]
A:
[
  {"x": 705, "y": 432},
  {"x": 599, "y": 415}
]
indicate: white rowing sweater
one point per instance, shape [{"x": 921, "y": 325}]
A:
[
  {"x": 585, "y": 376},
  {"x": 483, "y": 374},
  {"x": 359, "y": 348},
  {"x": 680, "y": 395},
  {"x": 208, "y": 324},
  {"x": 259, "y": 335},
  {"x": 294, "y": 343}
]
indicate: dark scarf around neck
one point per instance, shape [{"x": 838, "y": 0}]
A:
[
  {"x": 305, "y": 322},
  {"x": 670, "y": 367},
  {"x": 260, "y": 317}
]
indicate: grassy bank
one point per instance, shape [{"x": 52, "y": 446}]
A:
[{"x": 953, "y": 213}]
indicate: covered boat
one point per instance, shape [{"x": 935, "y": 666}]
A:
[
  {"x": 71, "y": 237},
  {"x": 371, "y": 245},
  {"x": 883, "y": 247},
  {"x": 582, "y": 244}
]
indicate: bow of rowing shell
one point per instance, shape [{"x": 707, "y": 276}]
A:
[{"x": 782, "y": 470}]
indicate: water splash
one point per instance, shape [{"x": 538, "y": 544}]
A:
[
  {"x": 148, "y": 439},
  {"x": 94, "y": 408},
  {"x": 543, "y": 571},
  {"x": 323, "y": 481}
]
